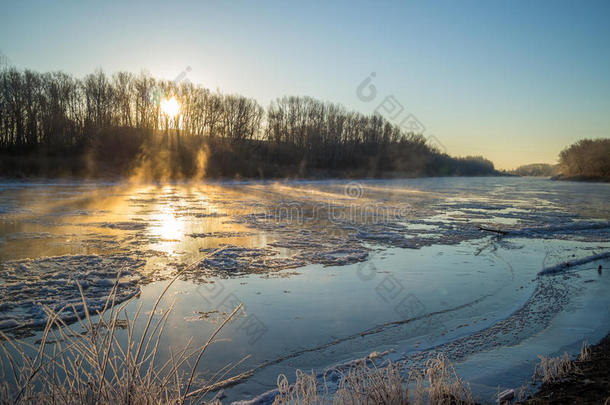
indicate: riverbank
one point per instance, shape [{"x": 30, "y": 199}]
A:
[
  {"x": 593, "y": 179},
  {"x": 225, "y": 166},
  {"x": 588, "y": 382}
]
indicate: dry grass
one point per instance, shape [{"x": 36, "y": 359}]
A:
[
  {"x": 70, "y": 366},
  {"x": 366, "y": 384},
  {"x": 585, "y": 352},
  {"x": 553, "y": 369},
  {"x": 304, "y": 391},
  {"x": 440, "y": 384},
  {"x": 363, "y": 384}
]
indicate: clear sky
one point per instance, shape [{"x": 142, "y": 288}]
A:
[{"x": 515, "y": 81}]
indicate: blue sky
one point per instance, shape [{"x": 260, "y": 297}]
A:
[{"x": 513, "y": 81}]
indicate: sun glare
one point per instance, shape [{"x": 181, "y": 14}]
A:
[{"x": 170, "y": 106}]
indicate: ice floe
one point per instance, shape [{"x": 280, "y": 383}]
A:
[
  {"x": 236, "y": 260},
  {"x": 226, "y": 234},
  {"x": 570, "y": 264},
  {"x": 29, "y": 285}
]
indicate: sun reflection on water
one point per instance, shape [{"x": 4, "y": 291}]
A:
[{"x": 167, "y": 227}]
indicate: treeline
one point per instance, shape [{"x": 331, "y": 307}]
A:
[
  {"x": 587, "y": 159},
  {"x": 116, "y": 124},
  {"x": 55, "y": 111},
  {"x": 537, "y": 170}
]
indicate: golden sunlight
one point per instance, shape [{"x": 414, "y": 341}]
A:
[{"x": 170, "y": 106}]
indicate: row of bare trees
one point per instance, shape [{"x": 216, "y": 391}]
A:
[
  {"x": 327, "y": 133},
  {"x": 116, "y": 116},
  {"x": 57, "y": 111}
]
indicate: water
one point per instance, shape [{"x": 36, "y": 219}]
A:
[{"x": 327, "y": 271}]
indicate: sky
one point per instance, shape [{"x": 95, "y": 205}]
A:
[{"x": 514, "y": 81}]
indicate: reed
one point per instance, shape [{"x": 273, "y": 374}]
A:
[
  {"x": 367, "y": 384},
  {"x": 551, "y": 369}
]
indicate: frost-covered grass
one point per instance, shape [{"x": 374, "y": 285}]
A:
[
  {"x": 552, "y": 369},
  {"x": 68, "y": 366},
  {"x": 440, "y": 384},
  {"x": 366, "y": 384},
  {"x": 585, "y": 352}
]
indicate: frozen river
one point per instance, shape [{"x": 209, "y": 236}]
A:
[{"x": 327, "y": 271}]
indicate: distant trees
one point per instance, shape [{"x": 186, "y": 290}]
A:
[
  {"x": 537, "y": 169},
  {"x": 119, "y": 117},
  {"x": 326, "y": 135},
  {"x": 587, "y": 158}
]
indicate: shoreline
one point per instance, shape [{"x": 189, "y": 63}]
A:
[
  {"x": 314, "y": 175},
  {"x": 588, "y": 382},
  {"x": 586, "y": 179}
]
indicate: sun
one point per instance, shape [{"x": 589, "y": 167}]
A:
[{"x": 170, "y": 106}]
